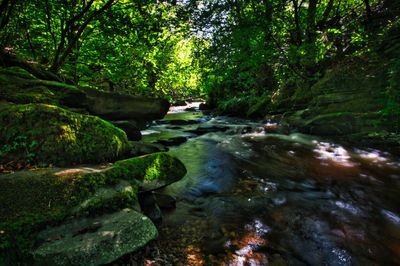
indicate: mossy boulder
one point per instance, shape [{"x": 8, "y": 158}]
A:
[
  {"x": 20, "y": 86},
  {"x": 32, "y": 200},
  {"x": 113, "y": 106},
  {"x": 154, "y": 171},
  {"x": 47, "y": 134}
]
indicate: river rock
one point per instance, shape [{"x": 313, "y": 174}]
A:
[
  {"x": 131, "y": 129},
  {"x": 94, "y": 241},
  {"x": 190, "y": 109},
  {"x": 179, "y": 122},
  {"x": 141, "y": 148},
  {"x": 180, "y": 103},
  {"x": 22, "y": 87},
  {"x": 47, "y": 134},
  {"x": 165, "y": 201},
  {"x": 112, "y": 106},
  {"x": 172, "y": 141},
  {"x": 205, "y": 130},
  {"x": 205, "y": 106},
  {"x": 148, "y": 205},
  {"x": 52, "y": 195},
  {"x": 153, "y": 171}
]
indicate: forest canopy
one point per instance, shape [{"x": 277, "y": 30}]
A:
[{"x": 181, "y": 49}]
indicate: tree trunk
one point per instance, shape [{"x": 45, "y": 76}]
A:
[
  {"x": 368, "y": 9},
  {"x": 297, "y": 39}
]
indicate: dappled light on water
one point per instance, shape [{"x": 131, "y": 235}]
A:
[
  {"x": 255, "y": 197},
  {"x": 333, "y": 153},
  {"x": 246, "y": 247}
]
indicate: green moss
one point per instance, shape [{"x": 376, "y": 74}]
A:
[
  {"x": 19, "y": 86},
  {"x": 113, "y": 203},
  {"x": 59, "y": 85},
  {"x": 62, "y": 137},
  {"x": 245, "y": 106},
  {"x": 31, "y": 200},
  {"x": 156, "y": 166},
  {"x": 17, "y": 72}
]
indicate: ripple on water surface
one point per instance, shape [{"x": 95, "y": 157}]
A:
[{"x": 294, "y": 199}]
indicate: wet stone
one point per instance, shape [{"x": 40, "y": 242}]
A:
[
  {"x": 94, "y": 241},
  {"x": 148, "y": 205},
  {"x": 172, "y": 141},
  {"x": 165, "y": 201}
]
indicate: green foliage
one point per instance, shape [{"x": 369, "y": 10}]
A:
[
  {"x": 21, "y": 144},
  {"x": 256, "y": 46},
  {"x": 245, "y": 105},
  {"x": 182, "y": 49},
  {"x": 391, "y": 111},
  {"x": 142, "y": 48}
]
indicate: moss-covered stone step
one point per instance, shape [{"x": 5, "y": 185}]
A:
[{"x": 30, "y": 200}]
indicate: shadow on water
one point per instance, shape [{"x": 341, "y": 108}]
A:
[{"x": 260, "y": 198}]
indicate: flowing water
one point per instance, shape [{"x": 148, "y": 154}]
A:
[{"x": 256, "y": 198}]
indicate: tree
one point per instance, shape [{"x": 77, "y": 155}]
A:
[{"x": 72, "y": 27}]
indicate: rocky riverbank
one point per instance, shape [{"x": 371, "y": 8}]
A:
[
  {"x": 55, "y": 210},
  {"x": 355, "y": 98}
]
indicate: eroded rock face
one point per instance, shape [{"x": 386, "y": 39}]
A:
[
  {"x": 47, "y": 134},
  {"x": 331, "y": 124},
  {"x": 348, "y": 99},
  {"x": 94, "y": 241}
]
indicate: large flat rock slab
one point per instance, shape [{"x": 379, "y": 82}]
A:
[
  {"x": 94, "y": 241},
  {"x": 113, "y": 106}
]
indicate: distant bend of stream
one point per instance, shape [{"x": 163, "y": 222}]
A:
[{"x": 254, "y": 197}]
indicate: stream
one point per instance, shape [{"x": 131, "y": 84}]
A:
[{"x": 255, "y": 197}]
